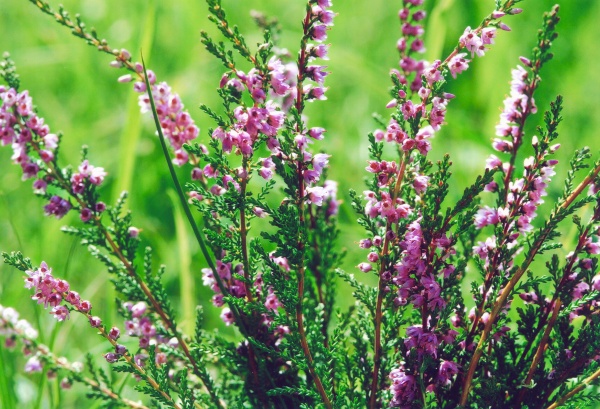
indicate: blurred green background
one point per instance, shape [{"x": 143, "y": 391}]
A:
[{"x": 76, "y": 91}]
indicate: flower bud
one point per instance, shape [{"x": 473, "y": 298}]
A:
[
  {"x": 95, "y": 322},
  {"x": 125, "y": 78},
  {"x": 111, "y": 358},
  {"x": 114, "y": 333},
  {"x": 525, "y": 61}
]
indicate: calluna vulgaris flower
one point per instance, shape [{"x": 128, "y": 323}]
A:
[{"x": 414, "y": 340}]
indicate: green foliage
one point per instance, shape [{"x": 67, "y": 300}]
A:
[{"x": 305, "y": 352}]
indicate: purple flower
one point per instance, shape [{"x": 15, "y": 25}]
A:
[
  {"x": 316, "y": 73},
  {"x": 316, "y": 195},
  {"x": 85, "y": 215},
  {"x": 57, "y": 207},
  {"x": 111, "y": 358},
  {"x": 529, "y": 297},
  {"x": 486, "y": 216},
  {"x": 446, "y": 371},
  {"x": 319, "y": 32},
  {"x": 33, "y": 365},
  {"x": 403, "y": 387}
]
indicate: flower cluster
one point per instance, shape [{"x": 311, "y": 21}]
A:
[
  {"x": 249, "y": 125},
  {"x": 34, "y": 149},
  {"x": 420, "y": 267},
  {"x": 51, "y": 291},
  {"x": 12, "y": 328},
  {"x": 236, "y": 288},
  {"x": 26, "y": 132},
  {"x": 411, "y": 43},
  {"x": 319, "y": 21},
  {"x": 522, "y": 196},
  {"x": 176, "y": 123},
  {"x": 516, "y": 106}
]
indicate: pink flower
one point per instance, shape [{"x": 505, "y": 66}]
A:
[
  {"x": 95, "y": 322},
  {"x": 316, "y": 195},
  {"x": 227, "y": 316},
  {"x": 60, "y": 312},
  {"x": 458, "y": 64},
  {"x": 420, "y": 183},
  {"x": 488, "y": 34},
  {"x": 271, "y": 301},
  {"x": 486, "y": 216},
  {"x": 472, "y": 42}
]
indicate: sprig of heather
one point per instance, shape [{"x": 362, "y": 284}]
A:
[
  {"x": 520, "y": 198},
  {"x": 392, "y": 203},
  {"x": 278, "y": 91},
  {"x": 577, "y": 288},
  {"x": 16, "y": 330},
  {"x": 57, "y": 293},
  {"x": 36, "y": 151},
  {"x": 176, "y": 123},
  {"x": 518, "y": 206}
]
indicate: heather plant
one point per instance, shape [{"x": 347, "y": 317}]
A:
[{"x": 474, "y": 304}]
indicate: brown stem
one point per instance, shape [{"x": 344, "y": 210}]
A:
[
  {"x": 584, "y": 183},
  {"x": 576, "y": 390},
  {"x": 377, "y": 343},
  {"x": 299, "y": 306},
  {"x": 498, "y": 306},
  {"x": 509, "y": 287},
  {"x": 541, "y": 349},
  {"x": 97, "y": 387},
  {"x": 302, "y": 60},
  {"x": 244, "y": 234},
  {"x": 488, "y": 326},
  {"x": 377, "y": 350},
  {"x": 62, "y": 363},
  {"x": 571, "y": 372},
  {"x": 245, "y": 262},
  {"x": 315, "y": 268},
  {"x": 304, "y": 343},
  {"x": 486, "y": 21}
]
